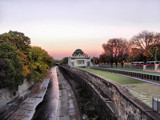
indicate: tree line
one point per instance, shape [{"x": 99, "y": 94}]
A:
[
  {"x": 19, "y": 60},
  {"x": 144, "y": 46}
]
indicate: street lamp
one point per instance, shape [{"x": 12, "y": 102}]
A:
[{"x": 156, "y": 49}]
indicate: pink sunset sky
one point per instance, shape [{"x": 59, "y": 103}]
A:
[{"x": 62, "y": 26}]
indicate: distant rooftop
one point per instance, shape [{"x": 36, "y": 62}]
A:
[{"x": 78, "y": 52}]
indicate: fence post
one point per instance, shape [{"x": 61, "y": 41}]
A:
[
  {"x": 144, "y": 67},
  {"x": 156, "y": 104},
  {"x": 156, "y": 67}
]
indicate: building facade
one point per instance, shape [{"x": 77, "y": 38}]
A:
[{"x": 79, "y": 59}]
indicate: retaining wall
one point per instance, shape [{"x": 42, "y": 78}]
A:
[
  {"x": 9, "y": 101},
  {"x": 110, "y": 99},
  {"x": 102, "y": 105}
]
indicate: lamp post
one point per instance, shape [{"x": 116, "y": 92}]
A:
[
  {"x": 156, "y": 66},
  {"x": 156, "y": 49},
  {"x": 112, "y": 55}
]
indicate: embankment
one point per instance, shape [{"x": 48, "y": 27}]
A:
[{"x": 111, "y": 100}]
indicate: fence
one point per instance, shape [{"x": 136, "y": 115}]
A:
[
  {"x": 152, "y": 68},
  {"x": 130, "y": 67}
]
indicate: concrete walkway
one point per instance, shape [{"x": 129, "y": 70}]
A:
[{"x": 68, "y": 109}]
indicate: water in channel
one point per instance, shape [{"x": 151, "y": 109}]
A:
[{"x": 48, "y": 108}]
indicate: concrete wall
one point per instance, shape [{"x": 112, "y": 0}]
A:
[
  {"x": 8, "y": 100},
  {"x": 110, "y": 98}
]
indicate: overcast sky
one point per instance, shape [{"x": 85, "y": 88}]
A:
[{"x": 61, "y": 26}]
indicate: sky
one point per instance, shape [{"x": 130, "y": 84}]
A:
[{"x": 62, "y": 26}]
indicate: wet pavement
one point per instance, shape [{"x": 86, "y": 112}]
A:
[
  {"x": 48, "y": 108},
  {"x": 59, "y": 102}
]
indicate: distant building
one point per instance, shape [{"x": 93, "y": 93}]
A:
[{"x": 79, "y": 59}]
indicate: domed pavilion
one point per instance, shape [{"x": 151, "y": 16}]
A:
[{"x": 79, "y": 59}]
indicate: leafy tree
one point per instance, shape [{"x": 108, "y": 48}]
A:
[
  {"x": 40, "y": 63},
  {"x": 95, "y": 60},
  {"x": 18, "y": 60},
  {"x": 103, "y": 58},
  {"x": 64, "y": 61},
  {"x": 16, "y": 39},
  {"x": 21, "y": 43},
  {"x": 11, "y": 67}
]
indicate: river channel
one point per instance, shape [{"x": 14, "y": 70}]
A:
[{"x": 48, "y": 108}]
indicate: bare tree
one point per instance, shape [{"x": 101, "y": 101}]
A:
[
  {"x": 145, "y": 41},
  {"x": 116, "y": 49}
]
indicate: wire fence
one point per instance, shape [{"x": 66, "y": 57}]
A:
[
  {"x": 158, "y": 67},
  {"x": 152, "y": 68}
]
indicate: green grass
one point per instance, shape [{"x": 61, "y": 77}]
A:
[
  {"x": 116, "y": 78},
  {"x": 138, "y": 71}
]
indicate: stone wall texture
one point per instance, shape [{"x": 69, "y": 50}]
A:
[
  {"x": 9, "y": 101},
  {"x": 111, "y": 100}
]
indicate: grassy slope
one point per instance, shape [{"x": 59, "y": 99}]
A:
[
  {"x": 142, "y": 90},
  {"x": 116, "y": 78},
  {"x": 138, "y": 71}
]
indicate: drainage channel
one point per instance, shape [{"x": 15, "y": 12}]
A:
[
  {"x": 87, "y": 110},
  {"x": 48, "y": 108}
]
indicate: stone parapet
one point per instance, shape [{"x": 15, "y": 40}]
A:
[{"x": 111, "y": 100}]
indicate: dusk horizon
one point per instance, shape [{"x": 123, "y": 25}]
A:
[
  {"x": 79, "y": 59},
  {"x": 61, "y": 27}
]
